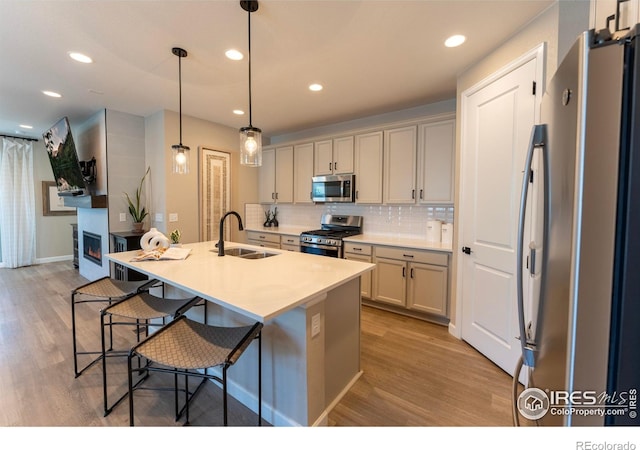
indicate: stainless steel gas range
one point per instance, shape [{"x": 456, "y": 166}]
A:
[{"x": 327, "y": 241}]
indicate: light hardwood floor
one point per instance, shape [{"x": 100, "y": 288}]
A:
[{"x": 415, "y": 373}]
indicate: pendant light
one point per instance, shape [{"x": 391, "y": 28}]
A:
[
  {"x": 250, "y": 137},
  {"x": 179, "y": 152}
]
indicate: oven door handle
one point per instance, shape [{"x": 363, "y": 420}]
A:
[{"x": 320, "y": 246}]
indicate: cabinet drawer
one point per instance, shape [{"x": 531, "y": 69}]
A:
[
  {"x": 360, "y": 249},
  {"x": 290, "y": 240},
  {"x": 409, "y": 254},
  {"x": 265, "y": 237}
]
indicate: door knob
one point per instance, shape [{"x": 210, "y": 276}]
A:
[{"x": 466, "y": 250}]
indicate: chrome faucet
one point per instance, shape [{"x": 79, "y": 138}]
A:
[{"x": 221, "y": 240}]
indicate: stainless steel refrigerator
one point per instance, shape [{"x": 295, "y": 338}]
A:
[{"x": 581, "y": 340}]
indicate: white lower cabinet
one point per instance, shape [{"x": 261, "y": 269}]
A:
[
  {"x": 413, "y": 279},
  {"x": 290, "y": 243},
  {"x": 358, "y": 252},
  {"x": 263, "y": 239}
]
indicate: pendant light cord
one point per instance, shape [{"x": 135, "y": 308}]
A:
[
  {"x": 180, "y": 93},
  {"x": 249, "y": 27}
]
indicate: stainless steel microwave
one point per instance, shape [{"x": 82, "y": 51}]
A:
[{"x": 333, "y": 188}]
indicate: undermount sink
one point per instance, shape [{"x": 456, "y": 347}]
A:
[
  {"x": 258, "y": 255},
  {"x": 247, "y": 253},
  {"x": 238, "y": 251}
]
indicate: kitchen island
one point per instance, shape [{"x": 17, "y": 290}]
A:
[{"x": 310, "y": 306}]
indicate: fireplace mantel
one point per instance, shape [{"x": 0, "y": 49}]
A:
[{"x": 86, "y": 201}]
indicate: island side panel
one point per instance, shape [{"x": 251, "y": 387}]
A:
[{"x": 342, "y": 340}]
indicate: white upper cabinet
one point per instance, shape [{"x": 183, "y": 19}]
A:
[
  {"x": 343, "y": 155},
  {"x": 368, "y": 167},
  {"x": 303, "y": 171},
  {"x": 334, "y": 156},
  {"x": 400, "y": 150},
  {"x": 267, "y": 176},
  {"x": 276, "y": 175},
  {"x": 323, "y": 157},
  {"x": 436, "y": 150}
]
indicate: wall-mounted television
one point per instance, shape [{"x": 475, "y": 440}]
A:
[{"x": 63, "y": 157}]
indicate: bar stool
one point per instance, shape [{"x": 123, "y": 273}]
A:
[
  {"x": 103, "y": 290},
  {"x": 138, "y": 311},
  {"x": 186, "y": 347}
]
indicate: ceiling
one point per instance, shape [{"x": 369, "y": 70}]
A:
[{"x": 372, "y": 56}]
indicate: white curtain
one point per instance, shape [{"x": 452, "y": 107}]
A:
[{"x": 17, "y": 203}]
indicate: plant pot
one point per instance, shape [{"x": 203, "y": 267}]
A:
[
  {"x": 137, "y": 227},
  {"x": 176, "y": 245}
]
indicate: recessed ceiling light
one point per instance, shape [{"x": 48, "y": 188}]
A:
[
  {"x": 234, "y": 54},
  {"x": 52, "y": 94},
  {"x": 80, "y": 57},
  {"x": 238, "y": 112},
  {"x": 315, "y": 87},
  {"x": 455, "y": 40},
  {"x": 27, "y": 127}
]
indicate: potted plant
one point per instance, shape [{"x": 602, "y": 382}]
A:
[
  {"x": 175, "y": 238},
  {"x": 138, "y": 212}
]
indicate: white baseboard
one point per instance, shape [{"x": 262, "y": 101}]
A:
[
  {"x": 54, "y": 259},
  {"x": 47, "y": 260},
  {"x": 454, "y": 331}
]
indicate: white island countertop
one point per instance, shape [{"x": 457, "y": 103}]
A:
[{"x": 258, "y": 288}]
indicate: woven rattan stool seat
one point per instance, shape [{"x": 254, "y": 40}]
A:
[
  {"x": 186, "y": 348},
  {"x": 110, "y": 288},
  {"x": 103, "y": 290},
  {"x": 145, "y": 306},
  {"x": 193, "y": 345}
]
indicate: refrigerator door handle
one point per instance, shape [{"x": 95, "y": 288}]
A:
[{"x": 538, "y": 139}]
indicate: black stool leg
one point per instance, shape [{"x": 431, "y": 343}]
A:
[
  {"x": 130, "y": 376},
  {"x": 260, "y": 379}
]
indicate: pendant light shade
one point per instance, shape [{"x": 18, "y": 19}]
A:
[
  {"x": 179, "y": 152},
  {"x": 250, "y": 137}
]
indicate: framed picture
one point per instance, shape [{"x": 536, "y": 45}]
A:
[{"x": 52, "y": 204}]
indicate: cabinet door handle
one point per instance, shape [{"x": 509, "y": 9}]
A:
[
  {"x": 335, "y": 166},
  {"x": 261, "y": 237},
  {"x": 411, "y": 272},
  {"x": 276, "y": 196},
  {"x": 421, "y": 196},
  {"x": 403, "y": 271},
  {"x": 407, "y": 256},
  {"x": 273, "y": 196},
  {"x": 357, "y": 249},
  {"x": 356, "y": 195},
  {"x": 413, "y": 194},
  {"x": 329, "y": 165}
]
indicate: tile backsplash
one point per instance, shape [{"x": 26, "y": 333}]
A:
[{"x": 408, "y": 221}]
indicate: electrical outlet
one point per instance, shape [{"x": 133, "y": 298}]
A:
[
  {"x": 159, "y": 217},
  {"x": 123, "y": 217},
  {"x": 173, "y": 217},
  {"x": 315, "y": 325}
]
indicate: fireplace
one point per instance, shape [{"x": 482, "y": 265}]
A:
[{"x": 92, "y": 247}]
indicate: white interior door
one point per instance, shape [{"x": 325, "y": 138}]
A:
[{"x": 497, "y": 122}]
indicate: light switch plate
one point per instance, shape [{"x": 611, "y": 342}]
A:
[
  {"x": 173, "y": 217},
  {"x": 159, "y": 217},
  {"x": 123, "y": 217}
]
